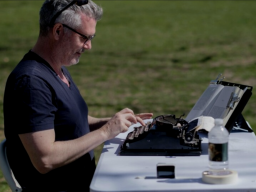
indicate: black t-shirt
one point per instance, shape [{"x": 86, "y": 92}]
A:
[{"x": 36, "y": 99}]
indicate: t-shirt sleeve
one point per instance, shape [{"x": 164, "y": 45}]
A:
[{"x": 35, "y": 107}]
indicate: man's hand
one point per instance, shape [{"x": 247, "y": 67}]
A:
[
  {"x": 119, "y": 123},
  {"x": 122, "y": 120}
]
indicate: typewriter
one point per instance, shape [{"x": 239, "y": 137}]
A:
[{"x": 166, "y": 135}]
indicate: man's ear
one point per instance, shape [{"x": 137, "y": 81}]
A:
[{"x": 57, "y": 30}]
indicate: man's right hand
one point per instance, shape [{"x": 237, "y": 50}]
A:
[{"x": 119, "y": 123}]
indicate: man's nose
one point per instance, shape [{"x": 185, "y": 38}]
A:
[{"x": 88, "y": 45}]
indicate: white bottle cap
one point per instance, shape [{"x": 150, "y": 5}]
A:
[{"x": 218, "y": 121}]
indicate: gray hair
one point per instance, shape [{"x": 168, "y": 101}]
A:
[{"x": 70, "y": 16}]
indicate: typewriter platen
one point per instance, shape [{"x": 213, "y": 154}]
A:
[{"x": 166, "y": 135}]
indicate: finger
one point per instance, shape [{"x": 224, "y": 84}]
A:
[
  {"x": 140, "y": 121},
  {"x": 130, "y": 117},
  {"x": 124, "y": 130},
  {"x": 127, "y": 110},
  {"x": 126, "y": 126},
  {"x": 145, "y": 115}
]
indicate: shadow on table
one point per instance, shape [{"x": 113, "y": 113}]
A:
[
  {"x": 181, "y": 180},
  {"x": 176, "y": 180},
  {"x": 113, "y": 141}
]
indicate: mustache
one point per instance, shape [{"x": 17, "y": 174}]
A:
[{"x": 82, "y": 50}]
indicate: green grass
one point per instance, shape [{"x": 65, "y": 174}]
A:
[{"x": 150, "y": 56}]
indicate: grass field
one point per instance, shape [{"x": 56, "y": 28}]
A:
[{"x": 150, "y": 56}]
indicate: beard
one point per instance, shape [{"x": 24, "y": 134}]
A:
[{"x": 75, "y": 60}]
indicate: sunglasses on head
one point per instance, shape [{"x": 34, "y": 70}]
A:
[{"x": 78, "y": 2}]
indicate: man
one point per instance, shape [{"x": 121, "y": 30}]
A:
[{"x": 50, "y": 136}]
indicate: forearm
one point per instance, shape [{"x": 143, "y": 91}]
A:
[
  {"x": 66, "y": 152},
  {"x": 47, "y": 154}
]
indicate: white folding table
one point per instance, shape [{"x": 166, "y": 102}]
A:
[{"x": 115, "y": 173}]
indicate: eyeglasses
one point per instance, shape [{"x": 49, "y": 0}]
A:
[
  {"x": 87, "y": 38},
  {"x": 78, "y": 2}
]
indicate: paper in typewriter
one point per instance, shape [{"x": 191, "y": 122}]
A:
[{"x": 217, "y": 101}]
